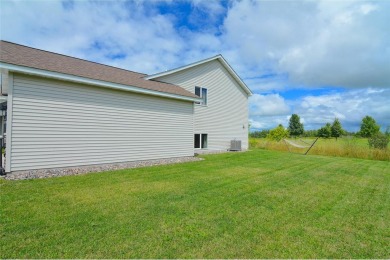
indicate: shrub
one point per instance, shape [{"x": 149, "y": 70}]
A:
[
  {"x": 278, "y": 133},
  {"x": 379, "y": 141}
]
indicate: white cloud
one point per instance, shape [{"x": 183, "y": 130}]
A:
[
  {"x": 266, "y": 82},
  {"x": 343, "y": 43},
  {"x": 367, "y": 8},
  {"x": 267, "y": 111},
  {"x": 256, "y": 124},
  {"x": 129, "y": 35},
  {"x": 350, "y": 107},
  {"x": 267, "y": 105},
  {"x": 266, "y": 123},
  {"x": 211, "y": 9},
  {"x": 320, "y": 43}
]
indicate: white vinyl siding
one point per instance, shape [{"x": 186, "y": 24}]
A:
[
  {"x": 225, "y": 117},
  {"x": 60, "y": 124}
]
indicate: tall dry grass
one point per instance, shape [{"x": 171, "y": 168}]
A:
[{"x": 343, "y": 147}]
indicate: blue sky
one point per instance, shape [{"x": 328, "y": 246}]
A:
[{"x": 319, "y": 59}]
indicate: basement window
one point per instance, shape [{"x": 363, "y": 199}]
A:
[
  {"x": 202, "y": 93},
  {"x": 200, "y": 141}
]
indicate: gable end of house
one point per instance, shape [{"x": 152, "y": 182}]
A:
[{"x": 218, "y": 57}]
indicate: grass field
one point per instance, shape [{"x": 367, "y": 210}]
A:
[
  {"x": 258, "y": 204},
  {"x": 343, "y": 147}
]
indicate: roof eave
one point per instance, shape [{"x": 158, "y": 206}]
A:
[{"x": 78, "y": 79}]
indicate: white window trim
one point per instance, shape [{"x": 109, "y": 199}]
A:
[
  {"x": 201, "y": 96},
  {"x": 200, "y": 141}
]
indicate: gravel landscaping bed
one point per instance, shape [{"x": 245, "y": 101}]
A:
[{"x": 56, "y": 172}]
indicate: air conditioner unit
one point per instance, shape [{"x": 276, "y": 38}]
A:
[{"x": 235, "y": 145}]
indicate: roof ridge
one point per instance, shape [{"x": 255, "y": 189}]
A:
[{"x": 76, "y": 58}]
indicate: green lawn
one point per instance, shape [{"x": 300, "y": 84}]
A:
[{"x": 258, "y": 204}]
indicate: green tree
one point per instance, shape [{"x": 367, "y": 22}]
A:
[
  {"x": 295, "y": 127},
  {"x": 336, "y": 129},
  {"x": 278, "y": 133},
  {"x": 369, "y": 127},
  {"x": 325, "y": 131},
  {"x": 387, "y": 133}
]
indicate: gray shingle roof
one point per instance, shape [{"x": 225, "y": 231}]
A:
[{"x": 16, "y": 54}]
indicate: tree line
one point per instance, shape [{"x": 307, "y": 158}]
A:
[{"x": 368, "y": 129}]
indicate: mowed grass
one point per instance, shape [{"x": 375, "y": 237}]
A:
[
  {"x": 342, "y": 147},
  {"x": 257, "y": 204}
]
